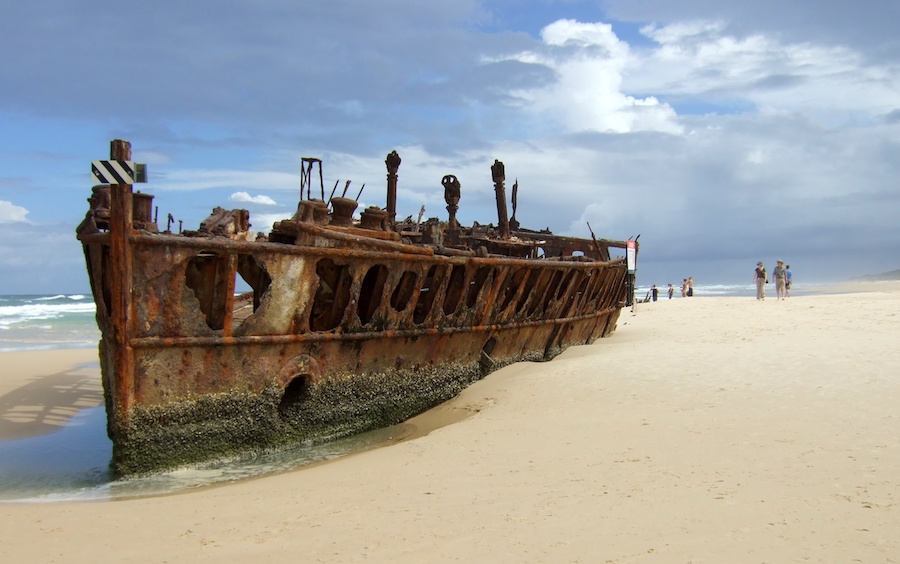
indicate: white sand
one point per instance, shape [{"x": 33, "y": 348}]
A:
[{"x": 704, "y": 430}]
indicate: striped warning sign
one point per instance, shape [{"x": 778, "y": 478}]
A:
[{"x": 117, "y": 172}]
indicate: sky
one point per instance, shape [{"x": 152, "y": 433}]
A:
[{"x": 722, "y": 132}]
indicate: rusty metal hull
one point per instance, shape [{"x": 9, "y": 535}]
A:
[
  {"x": 345, "y": 329},
  {"x": 308, "y": 365}
]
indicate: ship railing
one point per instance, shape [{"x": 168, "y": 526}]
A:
[{"x": 349, "y": 293}]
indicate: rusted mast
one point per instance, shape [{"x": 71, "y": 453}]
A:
[
  {"x": 393, "y": 164},
  {"x": 498, "y": 172},
  {"x": 120, "y": 226}
]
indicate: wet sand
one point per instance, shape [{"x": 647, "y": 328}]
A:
[
  {"x": 40, "y": 391},
  {"x": 704, "y": 430}
]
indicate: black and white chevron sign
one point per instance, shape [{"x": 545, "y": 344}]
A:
[{"x": 117, "y": 172}]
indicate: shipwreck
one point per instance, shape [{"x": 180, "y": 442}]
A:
[{"x": 348, "y": 325}]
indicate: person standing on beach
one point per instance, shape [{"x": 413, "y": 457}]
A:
[
  {"x": 787, "y": 281},
  {"x": 654, "y": 291},
  {"x": 759, "y": 278},
  {"x": 684, "y": 288},
  {"x": 671, "y": 291},
  {"x": 690, "y": 286},
  {"x": 779, "y": 275}
]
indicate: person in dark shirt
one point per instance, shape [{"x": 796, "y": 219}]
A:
[{"x": 760, "y": 279}]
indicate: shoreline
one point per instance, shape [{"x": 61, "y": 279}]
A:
[{"x": 722, "y": 429}]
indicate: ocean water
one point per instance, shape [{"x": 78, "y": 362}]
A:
[
  {"x": 727, "y": 290},
  {"x": 73, "y": 464},
  {"x": 701, "y": 290},
  {"x": 41, "y": 322}
]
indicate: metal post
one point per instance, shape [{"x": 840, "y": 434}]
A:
[
  {"x": 498, "y": 172},
  {"x": 120, "y": 227},
  {"x": 393, "y": 165}
]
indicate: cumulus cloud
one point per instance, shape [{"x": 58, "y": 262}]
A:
[
  {"x": 247, "y": 198},
  {"x": 589, "y": 61},
  {"x": 11, "y": 213},
  {"x": 699, "y": 60},
  {"x": 602, "y": 84}
]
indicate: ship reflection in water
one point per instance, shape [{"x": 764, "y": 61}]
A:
[{"x": 73, "y": 464}]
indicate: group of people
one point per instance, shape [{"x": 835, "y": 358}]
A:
[
  {"x": 687, "y": 290},
  {"x": 782, "y": 275}
]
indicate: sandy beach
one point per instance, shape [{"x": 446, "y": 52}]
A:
[{"x": 704, "y": 430}]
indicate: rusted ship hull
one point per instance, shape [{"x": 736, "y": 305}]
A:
[{"x": 342, "y": 332}]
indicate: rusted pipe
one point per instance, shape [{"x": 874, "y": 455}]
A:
[
  {"x": 498, "y": 173},
  {"x": 392, "y": 162}
]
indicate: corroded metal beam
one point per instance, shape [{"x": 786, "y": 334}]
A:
[{"x": 120, "y": 228}]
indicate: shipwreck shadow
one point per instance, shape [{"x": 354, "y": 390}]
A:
[{"x": 46, "y": 403}]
